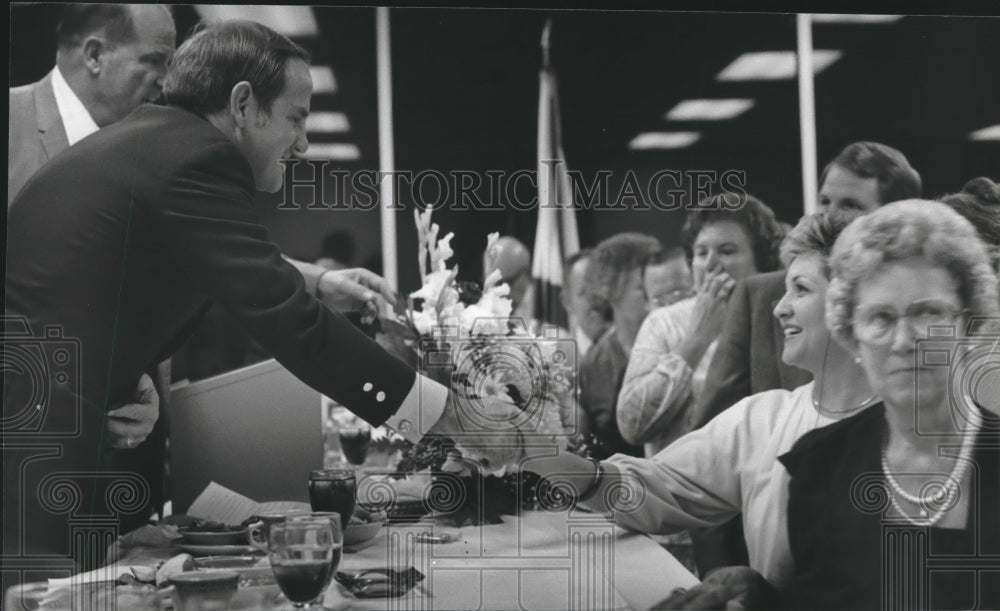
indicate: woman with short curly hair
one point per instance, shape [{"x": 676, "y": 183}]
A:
[{"x": 726, "y": 240}]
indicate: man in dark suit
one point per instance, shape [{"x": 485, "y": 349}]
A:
[
  {"x": 163, "y": 224},
  {"x": 863, "y": 177}
]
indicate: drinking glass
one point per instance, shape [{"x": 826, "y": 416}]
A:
[
  {"x": 354, "y": 442},
  {"x": 301, "y": 550},
  {"x": 333, "y": 490},
  {"x": 335, "y": 526}
]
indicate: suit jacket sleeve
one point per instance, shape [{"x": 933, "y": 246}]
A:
[
  {"x": 205, "y": 222},
  {"x": 728, "y": 378}
]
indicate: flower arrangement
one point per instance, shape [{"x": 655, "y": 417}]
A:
[{"x": 491, "y": 355}]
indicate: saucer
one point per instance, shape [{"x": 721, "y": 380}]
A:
[{"x": 219, "y": 550}]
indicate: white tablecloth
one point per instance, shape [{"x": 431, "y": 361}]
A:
[{"x": 541, "y": 560}]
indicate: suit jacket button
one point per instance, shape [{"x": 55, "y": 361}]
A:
[
  {"x": 367, "y": 387},
  {"x": 380, "y": 397}
]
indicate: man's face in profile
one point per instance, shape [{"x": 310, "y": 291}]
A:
[
  {"x": 133, "y": 70},
  {"x": 845, "y": 191}
]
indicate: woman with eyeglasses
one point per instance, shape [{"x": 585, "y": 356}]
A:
[
  {"x": 730, "y": 466},
  {"x": 899, "y": 505},
  {"x": 725, "y": 241}
]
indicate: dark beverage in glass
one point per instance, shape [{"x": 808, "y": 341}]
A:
[
  {"x": 302, "y": 581},
  {"x": 301, "y": 550},
  {"x": 354, "y": 444},
  {"x": 333, "y": 490}
]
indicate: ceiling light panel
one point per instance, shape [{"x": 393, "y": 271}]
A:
[
  {"x": 709, "y": 110},
  {"x": 652, "y": 141},
  {"x": 336, "y": 151},
  {"x": 773, "y": 65},
  {"x": 855, "y": 19},
  {"x": 292, "y": 21},
  {"x": 327, "y": 123},
  {"x": 323, "y": 81},
  {"x": 987, "y": 133}
]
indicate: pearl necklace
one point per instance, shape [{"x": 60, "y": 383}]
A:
[{"x": 944, "y": 497}]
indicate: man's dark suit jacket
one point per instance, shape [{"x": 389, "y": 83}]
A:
[
  {"x": 114, "y": 248},
  {"x": 746, "y": 362},
  {"x": 748, "y": 358}
]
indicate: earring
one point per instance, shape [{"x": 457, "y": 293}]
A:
[{"x": 857, "y": 359}]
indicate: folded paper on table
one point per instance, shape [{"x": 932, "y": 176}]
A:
[{"x": 220, "y": 504}]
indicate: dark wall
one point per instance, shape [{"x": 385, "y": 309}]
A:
[{"x": 466, "y": 99}]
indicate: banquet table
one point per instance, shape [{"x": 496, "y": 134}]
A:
[{"x": 537, "y": 560}]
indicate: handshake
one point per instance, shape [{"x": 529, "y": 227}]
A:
[{"x": 506, "y": 400}]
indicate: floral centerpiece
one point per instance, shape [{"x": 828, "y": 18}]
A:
[{"x": 488, "y": 356}]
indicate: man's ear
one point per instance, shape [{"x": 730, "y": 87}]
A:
[
  {"x": 94, "y": 48},
  {"x": 242, "y": 105}
]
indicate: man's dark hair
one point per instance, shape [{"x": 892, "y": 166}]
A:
[
  {"x": 979, "y": 203},
  {"x": 896, "y": 177},
  {"x": 219, "y": 55},
  {"x": 113, "y": 21}
]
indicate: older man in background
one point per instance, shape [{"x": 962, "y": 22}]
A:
[{"x": 111, "y": 58}]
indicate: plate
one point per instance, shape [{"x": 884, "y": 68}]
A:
[
  {"x": 228, "y": 537},
  {"x": 225, "y": 562},
  {"x": 219, "y": 550}
]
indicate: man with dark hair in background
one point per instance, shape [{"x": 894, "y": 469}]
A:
[
  {"x": 111, "y": 58},
  {"x": 863, "y": 177}
]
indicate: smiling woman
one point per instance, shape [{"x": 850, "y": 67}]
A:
[{"x": 909, "y": 280}]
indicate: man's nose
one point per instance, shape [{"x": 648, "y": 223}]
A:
[{"x": 301, "y": 143}]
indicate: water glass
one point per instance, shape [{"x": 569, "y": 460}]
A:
[{"x": 302, "y": 551}]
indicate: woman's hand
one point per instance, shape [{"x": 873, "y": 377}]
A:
[
  {"x": 708, "y": 315},
  {"x": 710, "y": 304}
]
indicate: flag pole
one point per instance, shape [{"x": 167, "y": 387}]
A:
[
  {"x": 386, "y": 149},
  {"x": 807, "y": 111}
]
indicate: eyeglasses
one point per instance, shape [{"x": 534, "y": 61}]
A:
[
  {"x": 658, "y": 301},
  {"x": 876, "y": 323}
]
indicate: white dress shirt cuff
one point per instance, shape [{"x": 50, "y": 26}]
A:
[{"x": 420, "y": 410}]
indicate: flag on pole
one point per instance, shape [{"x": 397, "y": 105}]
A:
[{"x": 556, "y": 234}]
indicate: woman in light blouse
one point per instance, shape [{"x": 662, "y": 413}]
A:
[{"x": 730, "y": 466}]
